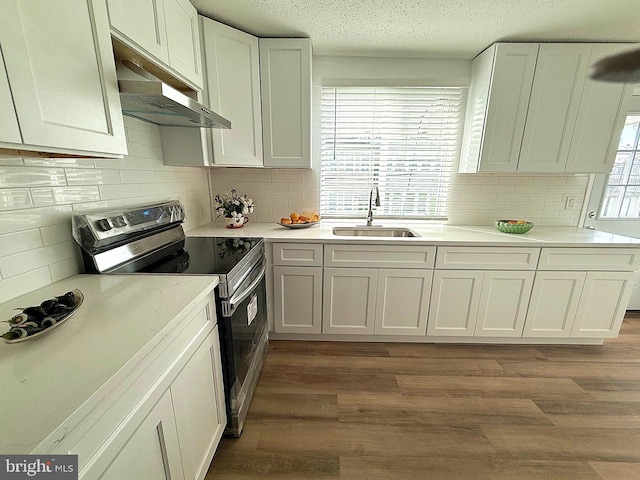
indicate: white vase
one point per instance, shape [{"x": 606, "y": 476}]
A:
[{"x": 236, "y": 222}]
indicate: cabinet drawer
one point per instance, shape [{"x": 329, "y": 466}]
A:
[
  {"x": 297, "y": 254},
  {"x": 487, "y": 258},
  {"x": 379, "y": 256},
  {"x": 603, "y": 259}
]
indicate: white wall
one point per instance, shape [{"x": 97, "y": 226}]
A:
[{"x": 39, "y": 196}]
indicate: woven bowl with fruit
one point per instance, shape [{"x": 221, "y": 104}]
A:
[{"x": 513, "y": 226}]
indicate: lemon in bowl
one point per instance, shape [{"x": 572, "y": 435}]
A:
[{"x": 513, "y": 226}]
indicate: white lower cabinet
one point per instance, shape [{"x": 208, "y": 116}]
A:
[
  {"x": 603, "y": 304},
  {"x": 153, "y": 451},
  {"x": 297, "y": 299},
  {"x": 503, "y": 303},
  {"x": 554, "y": 303},
  {"x": 455, "y": 298},
  {"x": 391, "y": 301},
  {"x": 349, "y": 301},
  {"x": 198, "y": 404},
  {"x": 402, "y": 301},
  {"x": 476, "y": 303},
  {"x": 175, "y": 417}
]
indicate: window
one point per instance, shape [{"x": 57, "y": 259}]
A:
[
  {"x": 405, "y": 140},
  {"x": 622, "y": 196}
]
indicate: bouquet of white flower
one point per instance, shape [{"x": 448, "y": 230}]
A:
[{"x": 232, "y": 205}]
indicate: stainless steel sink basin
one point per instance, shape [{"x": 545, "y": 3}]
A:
[{"x": 374, "y": 232}]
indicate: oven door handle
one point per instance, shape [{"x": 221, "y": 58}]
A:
[{"x": 240, "y": 296}]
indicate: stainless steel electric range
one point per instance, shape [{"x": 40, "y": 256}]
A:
[{"x": 150, "y": 239}]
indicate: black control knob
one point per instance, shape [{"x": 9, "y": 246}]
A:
[
  {"x": 104, "y": 224},
  {"x": 119, "y": 221}
]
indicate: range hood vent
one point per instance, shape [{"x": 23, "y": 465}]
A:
[{"x": 147, "y": 98}]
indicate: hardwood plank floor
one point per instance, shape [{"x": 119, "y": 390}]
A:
[{"x": 331, "y": 410}]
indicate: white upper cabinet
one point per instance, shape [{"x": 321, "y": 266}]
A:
[
  {"x": 62, "y": 78},
  {"x": 231, "y": 61},
  {"x": 501, "y": 79},
  {"x": 533, "y": 109},
  {"x": 141, "y": 23},
  {"x": 9, "y": 130},
  {"x": 600, "y": 119},
  {"x": 165, "y": 32},
  {"x": 285, "y": 79}
]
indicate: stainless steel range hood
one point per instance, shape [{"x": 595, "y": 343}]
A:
[{"x": 147, "y": 98}]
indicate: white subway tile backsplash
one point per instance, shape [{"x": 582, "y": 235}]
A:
[
  {"x": 44, "y": 197},
  {"x": 15, "y": 198},
  {"x": 27, "y": 282},
  {"x": 23, "y": 262},
  {"x": 59, "y": 162},
  {"x": 10, "y": 162},
  {"x": 17, "y": 242},
  {"x": 31, "y": 176},
  {"x": 20, "y": 220},
  {"x": 36, "y": 245},
  {"x": 92, "y": 177}
]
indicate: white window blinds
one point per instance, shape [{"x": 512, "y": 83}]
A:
[{"x": 403, "y": 139}]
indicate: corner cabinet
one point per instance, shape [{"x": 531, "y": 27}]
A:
[
  {"x": 263, "y": 86},
  {"x": 285, "y": 80},
  {"x": 165, "y": 32},
  {"x": 60, "y": 75},
  {"x": 533, "y": 109}
]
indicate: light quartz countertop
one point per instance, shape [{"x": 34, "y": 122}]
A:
[
  {"x": 122, "y": 318},
  {"x": 429, "y": 234}
]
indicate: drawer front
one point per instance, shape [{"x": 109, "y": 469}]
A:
[
  {"x": 596, "y": 259},
  {"x": 297, "y": 254},
  {"x": 379, "y": 256},
  {"x": 487, "y": 258}
]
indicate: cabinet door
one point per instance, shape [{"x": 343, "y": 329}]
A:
[
  {"x": 297, "y": 299},
  {"x": 183, "y": 39},
  {"x": 62, "y": 74},
  {"x": 603, "y": 304},
  {"x": 349, "y": 300},
  {"x": 555, "y": 97},
  {"x": 554, "y": 303},
  {"x": 505, "y": 92},
  {"x": 153, "y": 451},
  {"x": 198, "y": 403},
  {"x": 285, "y": 78},
  {"x": 233, "y": 84},
  {"x": 9, "y": 130},
  {"x": 141, "y": 24},
  {"x": 455, "y": 298},
  {"x": 503, "y": 303},
  {"x": 403, "y": 301},
  {"x": 600, "y": 119}
]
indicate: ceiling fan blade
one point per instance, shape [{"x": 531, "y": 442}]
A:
[{"x": 622, "y": 67}]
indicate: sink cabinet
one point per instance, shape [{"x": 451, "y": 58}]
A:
[
  {"x": 479, "y": 294},
  {"x": 533, "y": 109}
]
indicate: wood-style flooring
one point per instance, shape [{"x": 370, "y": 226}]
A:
[{"x": 329, "y": 410}]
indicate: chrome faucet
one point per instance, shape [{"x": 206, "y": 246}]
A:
[{"x": 370, "y": 213}]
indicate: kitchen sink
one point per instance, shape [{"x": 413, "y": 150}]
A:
[{"x": 374, "y": 232}]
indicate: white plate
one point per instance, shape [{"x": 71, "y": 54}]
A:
[
  {"x": 79, "y": 298},
  {"x": 298, "y": 225}
]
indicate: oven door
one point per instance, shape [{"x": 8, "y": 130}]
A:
[{"x": 244, "y": 341}]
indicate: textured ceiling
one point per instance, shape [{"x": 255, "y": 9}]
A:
[{"x": 427, "y": 28}]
